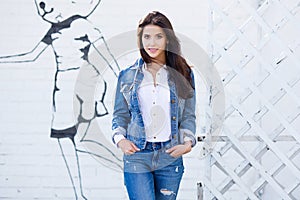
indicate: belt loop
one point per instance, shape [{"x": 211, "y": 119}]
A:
[{"x": 164, "y": 144}]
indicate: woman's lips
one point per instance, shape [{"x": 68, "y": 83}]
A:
[{"x": 152, "y": 50}]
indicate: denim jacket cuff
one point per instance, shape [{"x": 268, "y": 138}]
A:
[
  {"x": 188, "y": 136},
  {"x": 118, "y": 134}
]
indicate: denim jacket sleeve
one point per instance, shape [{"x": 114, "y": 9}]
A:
[
  {"x": 188, "y": 122},
  {"x": 121, "y": 114}
]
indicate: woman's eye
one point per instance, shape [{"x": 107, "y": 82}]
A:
[
  {"x": 146, "y": 36},
  {"x": 159, "y": 36}
]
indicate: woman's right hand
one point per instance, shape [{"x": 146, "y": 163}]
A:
[{"x": 127, "y": 147}]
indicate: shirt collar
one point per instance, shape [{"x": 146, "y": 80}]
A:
[{"x": 145, "y": 67}]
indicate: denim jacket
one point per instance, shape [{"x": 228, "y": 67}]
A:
[{"x": 127, "y": 118}]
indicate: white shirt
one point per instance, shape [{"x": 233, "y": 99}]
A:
[
  {"x": 154, "y": 99},
  {"x": 154, "y": 103}
]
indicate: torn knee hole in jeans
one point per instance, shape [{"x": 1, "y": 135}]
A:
[{"x": 166, "y": 192}]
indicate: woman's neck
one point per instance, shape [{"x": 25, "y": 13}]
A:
[{"x": 155, "y": 65}]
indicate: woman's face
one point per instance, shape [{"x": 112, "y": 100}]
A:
[{"x": 154, "y": 42}]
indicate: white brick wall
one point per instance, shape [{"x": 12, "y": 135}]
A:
[{"x": 31, "y": 165}]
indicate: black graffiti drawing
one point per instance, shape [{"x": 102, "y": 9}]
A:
[{"x": 71, "y": 37}]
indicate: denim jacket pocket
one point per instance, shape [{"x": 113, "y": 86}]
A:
[
  {"x": 126, "y": 90},
  {"x": 181, "y": 103}
]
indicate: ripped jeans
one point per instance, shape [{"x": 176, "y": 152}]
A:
[{"x": 152, "y": 174}]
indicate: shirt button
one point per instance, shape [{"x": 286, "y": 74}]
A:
[
  {"x": 174, "y": 118},
  {"x": 174, "y": 136},
  {"x": 173, "y": 101}
]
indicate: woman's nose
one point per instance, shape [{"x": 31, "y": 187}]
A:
[{"x": 152, "y": 41}]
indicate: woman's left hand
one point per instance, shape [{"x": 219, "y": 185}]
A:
[{"x": 180, "y": 149}]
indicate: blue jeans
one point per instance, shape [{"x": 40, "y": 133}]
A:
[{"x": 152, "y": 174}]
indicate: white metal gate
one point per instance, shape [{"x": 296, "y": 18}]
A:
[{"x": 255, "y": 45}]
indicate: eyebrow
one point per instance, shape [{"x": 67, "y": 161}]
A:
[{"x": 155, "y": 34}]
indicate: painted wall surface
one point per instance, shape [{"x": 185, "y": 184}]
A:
[{"x": 43, "y": 46}]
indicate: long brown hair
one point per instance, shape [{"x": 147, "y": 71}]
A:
[{"x": 173, "y": 50}]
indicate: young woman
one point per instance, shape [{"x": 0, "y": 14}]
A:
[{"x": 154, "y": 120}]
